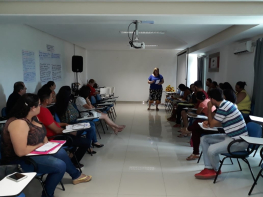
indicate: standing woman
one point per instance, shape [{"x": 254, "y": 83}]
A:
[{"x": 155, "y": 80}]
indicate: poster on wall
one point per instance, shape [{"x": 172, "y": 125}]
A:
[
  {"x": 214, "y": 60},
  {"x": 29, "y": 66},
  {"x": 50, "y": 67}
]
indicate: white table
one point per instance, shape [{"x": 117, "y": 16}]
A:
[
  {"x": 12, "y": 188},
  {"x": 252, "y": 140},
  {"x": 208, "y": 128},
  {"x": 50, "y": 153},
  {"x": 197, "y": 116},
  {"x": 3, "y": 121},
  {"x": 87, "y": 118},
  {"x": 73, "y": 130},
  {"x": 257, "y": 119},
  {"x": 104, "y": 104}
]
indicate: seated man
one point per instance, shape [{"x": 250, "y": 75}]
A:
[
  {"x": 93, "y": 92},
  {"x": 230, "y": 118},
  {"x": 53, "y": 128},
  {"x": 19, "y": 90}
]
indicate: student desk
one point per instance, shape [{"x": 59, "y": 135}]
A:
[{"x": 12, "y": 188}]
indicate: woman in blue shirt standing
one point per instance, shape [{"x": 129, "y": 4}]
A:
[{"x": 155, "y": 80}]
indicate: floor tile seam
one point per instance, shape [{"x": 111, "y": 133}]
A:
[{"x": 126, "y": 152}]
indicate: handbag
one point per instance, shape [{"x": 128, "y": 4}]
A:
[{"x": 9, "y": 169}]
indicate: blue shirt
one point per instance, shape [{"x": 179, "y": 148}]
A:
[
  {"x": 153, "y": 85},
  {"x": 232, "y": 120}
]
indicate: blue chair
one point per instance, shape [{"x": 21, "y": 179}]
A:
[
  {"x": 259, "y": 174},
  {"x": 254, "y": 130},
  {"x": 3, "y": 112}
]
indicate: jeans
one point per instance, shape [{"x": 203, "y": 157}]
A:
[
  {"x": 91, "y": 131},
  {"x": 55, "y": 166},
  {"x": 213, "y": 145}
]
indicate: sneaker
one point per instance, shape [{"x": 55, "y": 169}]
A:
[
  {"x": 84, "y": 179},
  {"x": 206, "y": 174}
]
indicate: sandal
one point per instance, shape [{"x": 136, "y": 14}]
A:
[
  {"x": 192, "y": 157},
  {"x": 83, "y": 179},
  {"x": 182, "y": 135},
  {"x": 177, "y": 125}
]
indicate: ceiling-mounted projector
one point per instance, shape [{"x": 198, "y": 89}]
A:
[{"x": 134, "y": 40}]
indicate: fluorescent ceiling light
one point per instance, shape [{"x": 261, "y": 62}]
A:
[
  {"x": 144, "y": 32},
  {"x": 151, "y": 45}
]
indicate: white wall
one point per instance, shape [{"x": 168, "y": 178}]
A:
[
  {"x": 234, "y": 68},
  {"x": 15, "y": 38},
  {"x": 192, "y": 69},
  {"x": 129, "y": 70}
]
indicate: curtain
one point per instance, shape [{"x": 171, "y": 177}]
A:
[
  {"x": 257, "y": 98},
  {"x": 200, "y": 69}
]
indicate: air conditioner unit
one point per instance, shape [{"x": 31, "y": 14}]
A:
[{"x": 243, "y": 47}]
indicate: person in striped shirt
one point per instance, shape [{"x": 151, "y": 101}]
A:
[{"x": 231, "y": 119}]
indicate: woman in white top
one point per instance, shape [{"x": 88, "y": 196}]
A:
[{"x": 83, "y": 103}]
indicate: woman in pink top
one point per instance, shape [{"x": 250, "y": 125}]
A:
[{"x": 201, "y": 110}]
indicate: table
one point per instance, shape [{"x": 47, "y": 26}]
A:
[
  {"x": 50, "y": 153},
  {"x": 3, "y": 121},
  {"x": 87, "y": 118},
  {"x": 104, "y": 104},
  {"x": 257, "y": 119},
  {"x": 252, "y": 140},
  {"x": 12, "y": 188},
  {"x": 73, "y": 130},
  {"x": 197, "y": 116}
]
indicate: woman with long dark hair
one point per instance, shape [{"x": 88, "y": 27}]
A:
[
  {"x": 83, "y": 103},
  {"x": 68, "y": 114},
  {"x": 23, "y": 133}
]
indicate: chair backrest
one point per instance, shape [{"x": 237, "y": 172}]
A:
[
  {"x": 110, "y": 89},
  {"x": 56, "y": 118},
  {"x": 92, "y": 100},
  {"x": 3, "y": 112},
  {"x": 104, "y": 91},
  {"x": 254, "y": 130}
]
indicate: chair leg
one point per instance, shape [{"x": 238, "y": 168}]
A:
[
  {"x": 245, "y": 160},
  {"x": 63, "y": 188},
  {"x": 260, "y": 162},
  {"x": 221, "y": 163},
  {"x": 102, "y": 126},
  {"x": 114, "y": 111},
  {"x": 43, "y": 186},
  {"x": 200, "y": 157},
  {"x": 255, "y": 182},
  {"x": 239, "y": 164},
  {"x": 231, "y": 160},
  {"x": 97, "y": 130},
  {"x": 77, "y": 162},
  {"x": 256, "y": 152}
]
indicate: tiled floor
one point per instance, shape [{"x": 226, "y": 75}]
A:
[{"x": 148, "y": 160}]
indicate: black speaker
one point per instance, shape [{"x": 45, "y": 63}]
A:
[{"x": 77, "y": 64}]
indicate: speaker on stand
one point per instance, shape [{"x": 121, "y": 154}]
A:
[{"x": 77, "y": 67}]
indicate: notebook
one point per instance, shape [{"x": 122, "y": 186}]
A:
[{"x": 48, "y": 147}]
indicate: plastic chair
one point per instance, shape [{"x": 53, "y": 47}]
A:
[
  {"x": 98, "y": 100},
  {"x": 254, "y": 130}
]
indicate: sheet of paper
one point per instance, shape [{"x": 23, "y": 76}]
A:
[
  {"x": 210, "y": 129},
  {"x": 29, "y": 66},
  {"x": 78, "y": 126},
  {"x": 157, "y": 81},
  {"x": 47, "y": 146}
]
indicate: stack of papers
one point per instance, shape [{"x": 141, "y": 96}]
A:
[
  {"x": 47, "y": 146},
  {"x": 157, "y": 81},
  {"x": 76, "y": 127}
]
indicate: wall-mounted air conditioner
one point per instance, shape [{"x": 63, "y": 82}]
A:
[{"x": 243, "y": 47}]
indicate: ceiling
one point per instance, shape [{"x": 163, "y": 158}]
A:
[
  {"x": 95, "y": 32},
  {"x": 141, "y": 0}
]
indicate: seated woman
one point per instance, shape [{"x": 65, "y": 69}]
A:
[
  {"x": 23, "y": 133},
  {"x": 187, "y": 93},
  {"x": 202, "y": 109},
  {"x": 83, "y": 103},
  {"x": 243, "y": 99},
  {"x": 52, "y": 86},
  {"x": 197, "y": 131},
  {"x": 68, "y": 114},
  {"x": 53, "y": 128}
]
